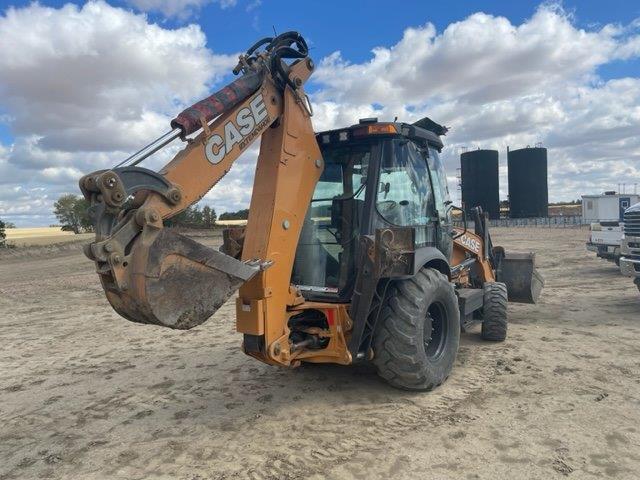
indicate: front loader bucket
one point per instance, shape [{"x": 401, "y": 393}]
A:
[
  {"x": 176, "y": 282},
  {"x": 518, "y": 271}
]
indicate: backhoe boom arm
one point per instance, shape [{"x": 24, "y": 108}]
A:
[{"x": 153, "y": 275}]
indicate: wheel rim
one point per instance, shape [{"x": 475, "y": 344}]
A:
[{"x": 435, "y": 331}]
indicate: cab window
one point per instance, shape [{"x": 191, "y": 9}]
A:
[
  {"x": 325, "y": 258},
  {"x": 440, "y": 187},
  {"x": 404, "y": 195}
]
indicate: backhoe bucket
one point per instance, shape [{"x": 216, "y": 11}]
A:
[
  {"x": 518, "y": 271},
  {"x": 176, "y": 282}
]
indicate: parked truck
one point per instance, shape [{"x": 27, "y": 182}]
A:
[
  {"x": 605, "y": 239},
  {"x": 630, "y": 247}
]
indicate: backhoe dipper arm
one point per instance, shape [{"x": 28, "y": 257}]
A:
[{"x": 153, "y": 275}]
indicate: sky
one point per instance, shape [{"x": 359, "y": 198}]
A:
[{"x": 85, "y": 84}]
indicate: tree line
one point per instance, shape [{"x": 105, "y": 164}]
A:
[
  {"x": 72, "y": 213},
  {"x": 3, "y": 234},
  {"x": 194, "y": 217},
  {"x": 239, "y": 215}
]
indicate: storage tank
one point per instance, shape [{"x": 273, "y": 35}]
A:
[
  {"x": 528, "y": 189},
  {"x": 479, "y": 181}
]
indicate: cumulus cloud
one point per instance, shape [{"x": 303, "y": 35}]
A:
[
  {"x": 84, "y": 86},
  {"x": 177, "y": 8},
  {"x": 478, "y": 60},
  {"x": 497, "y": 84},
  {"x": 98, "y": 77}
]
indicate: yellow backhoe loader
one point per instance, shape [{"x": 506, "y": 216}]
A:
[{"x": 349, "y": 253}]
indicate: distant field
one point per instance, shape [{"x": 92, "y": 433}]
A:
[
  {"x": 229, "y": 223},
  {"x": 24, "y": 237}
]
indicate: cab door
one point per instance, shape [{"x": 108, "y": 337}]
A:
[
  {"x": 442, "y": 201},
  {"x": 404, "y": 196}
]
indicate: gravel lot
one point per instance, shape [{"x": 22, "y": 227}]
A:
[{"x": 85, "y": 394}]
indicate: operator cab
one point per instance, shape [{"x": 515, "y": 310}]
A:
[{"x": 376, "y": 175}]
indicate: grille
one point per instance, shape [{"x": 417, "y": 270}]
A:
[{"x": 632, "y": 224}]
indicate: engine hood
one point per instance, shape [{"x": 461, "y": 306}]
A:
[{"x": 633, "y": 208}]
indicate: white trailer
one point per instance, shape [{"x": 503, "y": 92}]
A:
[{"x": 608, "y": 207}]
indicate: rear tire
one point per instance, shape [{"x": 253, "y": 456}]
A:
[
  {"x": 418, "y": 332},
  {"x": 494, "y": 323}
]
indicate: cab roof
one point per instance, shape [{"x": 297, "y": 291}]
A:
[{"x": 370, "y": 127}]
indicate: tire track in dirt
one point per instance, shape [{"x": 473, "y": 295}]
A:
[{"x": 376, "y": 425}]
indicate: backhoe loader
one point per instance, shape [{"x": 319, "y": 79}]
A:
[{"x": 349, "y": 253}]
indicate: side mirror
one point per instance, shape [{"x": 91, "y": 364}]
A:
[{"x": 464, "y": 220}]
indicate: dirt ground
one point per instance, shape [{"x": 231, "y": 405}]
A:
[{"x": 85, "y": 394}]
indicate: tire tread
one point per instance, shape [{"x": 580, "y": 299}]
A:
[
  {"x": 494, "y": 323},
  {"x": 399, "y": 351}
]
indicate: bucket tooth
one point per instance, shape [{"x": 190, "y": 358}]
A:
[{"x": 178, "y": 283}]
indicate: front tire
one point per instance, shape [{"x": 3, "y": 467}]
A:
[
  {"x": 418, "y": 332},
  {"x": 494, "y": 312}
]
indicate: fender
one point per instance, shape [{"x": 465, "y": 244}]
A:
[{"x": 432, "y": 256}]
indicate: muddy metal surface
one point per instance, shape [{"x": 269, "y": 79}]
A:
[{"x": 85, "y": 394}]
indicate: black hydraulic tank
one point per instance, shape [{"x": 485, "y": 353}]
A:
[
  {"x": 480, "y": 182},
  {"x": 528, "y": 188}
]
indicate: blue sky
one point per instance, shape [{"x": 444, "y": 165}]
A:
[
  {"x": 356, "y": 27},
  {"x": 562, "y": 74}
]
